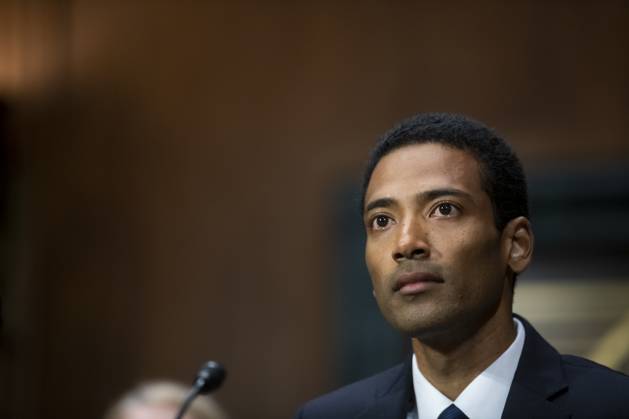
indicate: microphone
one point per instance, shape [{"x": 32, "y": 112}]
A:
[{"x": 209, "y": 378}]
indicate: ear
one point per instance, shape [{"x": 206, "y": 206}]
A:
[{"x": 518, "y": 240}]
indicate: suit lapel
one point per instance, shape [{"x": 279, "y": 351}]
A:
[
  {"x": 538, "y": 379},
  {"x": 522, "y": 403},
  {"x": 393, "y": 400}
]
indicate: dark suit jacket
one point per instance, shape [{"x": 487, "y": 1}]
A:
[{"x": 546, "y": 385}]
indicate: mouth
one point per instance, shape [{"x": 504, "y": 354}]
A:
[{"x": 416, "y": 282}]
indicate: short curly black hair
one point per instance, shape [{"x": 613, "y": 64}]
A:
[{"x": 501, "y": 172}]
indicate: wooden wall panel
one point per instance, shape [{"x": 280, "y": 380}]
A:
[{"x": 177, "y": 162}]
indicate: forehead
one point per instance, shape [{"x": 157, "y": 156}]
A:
[{"x": 419, "y": 167}]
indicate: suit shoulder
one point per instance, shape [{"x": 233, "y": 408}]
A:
[
  {"x": 352, "y": 399},
  {"x": 576, "y": 366},
  {"x": 587, "y": 378}
]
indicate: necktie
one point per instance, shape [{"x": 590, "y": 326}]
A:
[{"x": 452, "y": 412}]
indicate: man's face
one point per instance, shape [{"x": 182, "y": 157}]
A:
[{"x": 437, "y": 262}]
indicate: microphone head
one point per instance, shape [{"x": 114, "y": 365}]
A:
[{"x": 210, "y": 377}]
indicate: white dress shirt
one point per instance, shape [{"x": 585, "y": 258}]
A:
[{"x": 483, "y": 398}]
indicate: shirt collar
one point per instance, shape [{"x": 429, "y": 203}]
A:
[{"x": 484, "y": 397}]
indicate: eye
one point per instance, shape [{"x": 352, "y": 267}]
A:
[
  {"x": 444, "y": 209},
  {"x": 380, "y": 222}
]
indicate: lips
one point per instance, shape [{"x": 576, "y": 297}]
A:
[{"x": 416, "y": 282}]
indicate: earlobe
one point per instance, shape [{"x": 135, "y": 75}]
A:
[{"x": 521, "y": 242}]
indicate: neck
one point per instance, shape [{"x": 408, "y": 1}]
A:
[{"x": 452, "y": 365}]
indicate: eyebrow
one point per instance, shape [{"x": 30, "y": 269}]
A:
[
  {"x": 379, "y": 203},
  {"x": 422, "y": 196}
]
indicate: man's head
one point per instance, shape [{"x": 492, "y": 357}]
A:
[
  {"x": 500, "y": 169},
  {"x": 445, "y": 212}
]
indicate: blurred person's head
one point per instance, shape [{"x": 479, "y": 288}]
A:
[{"x": 162, "y": 400}]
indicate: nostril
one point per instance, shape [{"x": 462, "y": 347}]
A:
[
  {"x": 413, "y": 254},
  {"x": 417, "y": 252}
]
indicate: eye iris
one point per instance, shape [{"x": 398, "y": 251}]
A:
[
  {"x": 445, "y": 209},
  {"x": 382, "y": 221}
]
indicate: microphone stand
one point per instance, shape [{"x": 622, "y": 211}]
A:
[{"x": 210, "y": 377}]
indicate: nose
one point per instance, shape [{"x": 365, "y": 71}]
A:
[{"x": 411, "y": 244}]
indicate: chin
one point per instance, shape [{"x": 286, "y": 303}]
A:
[
  {"x": 420, "y": 324},
  {"x": 406, "y": 325},
  {"x": 422, "y": 331}
]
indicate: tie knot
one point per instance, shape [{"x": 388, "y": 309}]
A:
[{"x": 452, "y": 412}]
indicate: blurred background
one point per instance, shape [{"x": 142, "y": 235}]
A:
[{"x": 179, "y": 183}]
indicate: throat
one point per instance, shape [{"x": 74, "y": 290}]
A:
[{"x": 451, "y": 367}]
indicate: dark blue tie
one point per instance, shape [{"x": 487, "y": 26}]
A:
[{"x": 452, "y": 412}]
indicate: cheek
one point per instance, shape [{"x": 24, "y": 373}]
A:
[
  {"x": 377, "y": 264},
  {"x": 372, "y": 255},
  {"x": 488, "y": 270},
  {"x": 474, "y": 254}
]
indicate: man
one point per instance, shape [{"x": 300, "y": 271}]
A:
[{"x": 446, "y": 216}]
